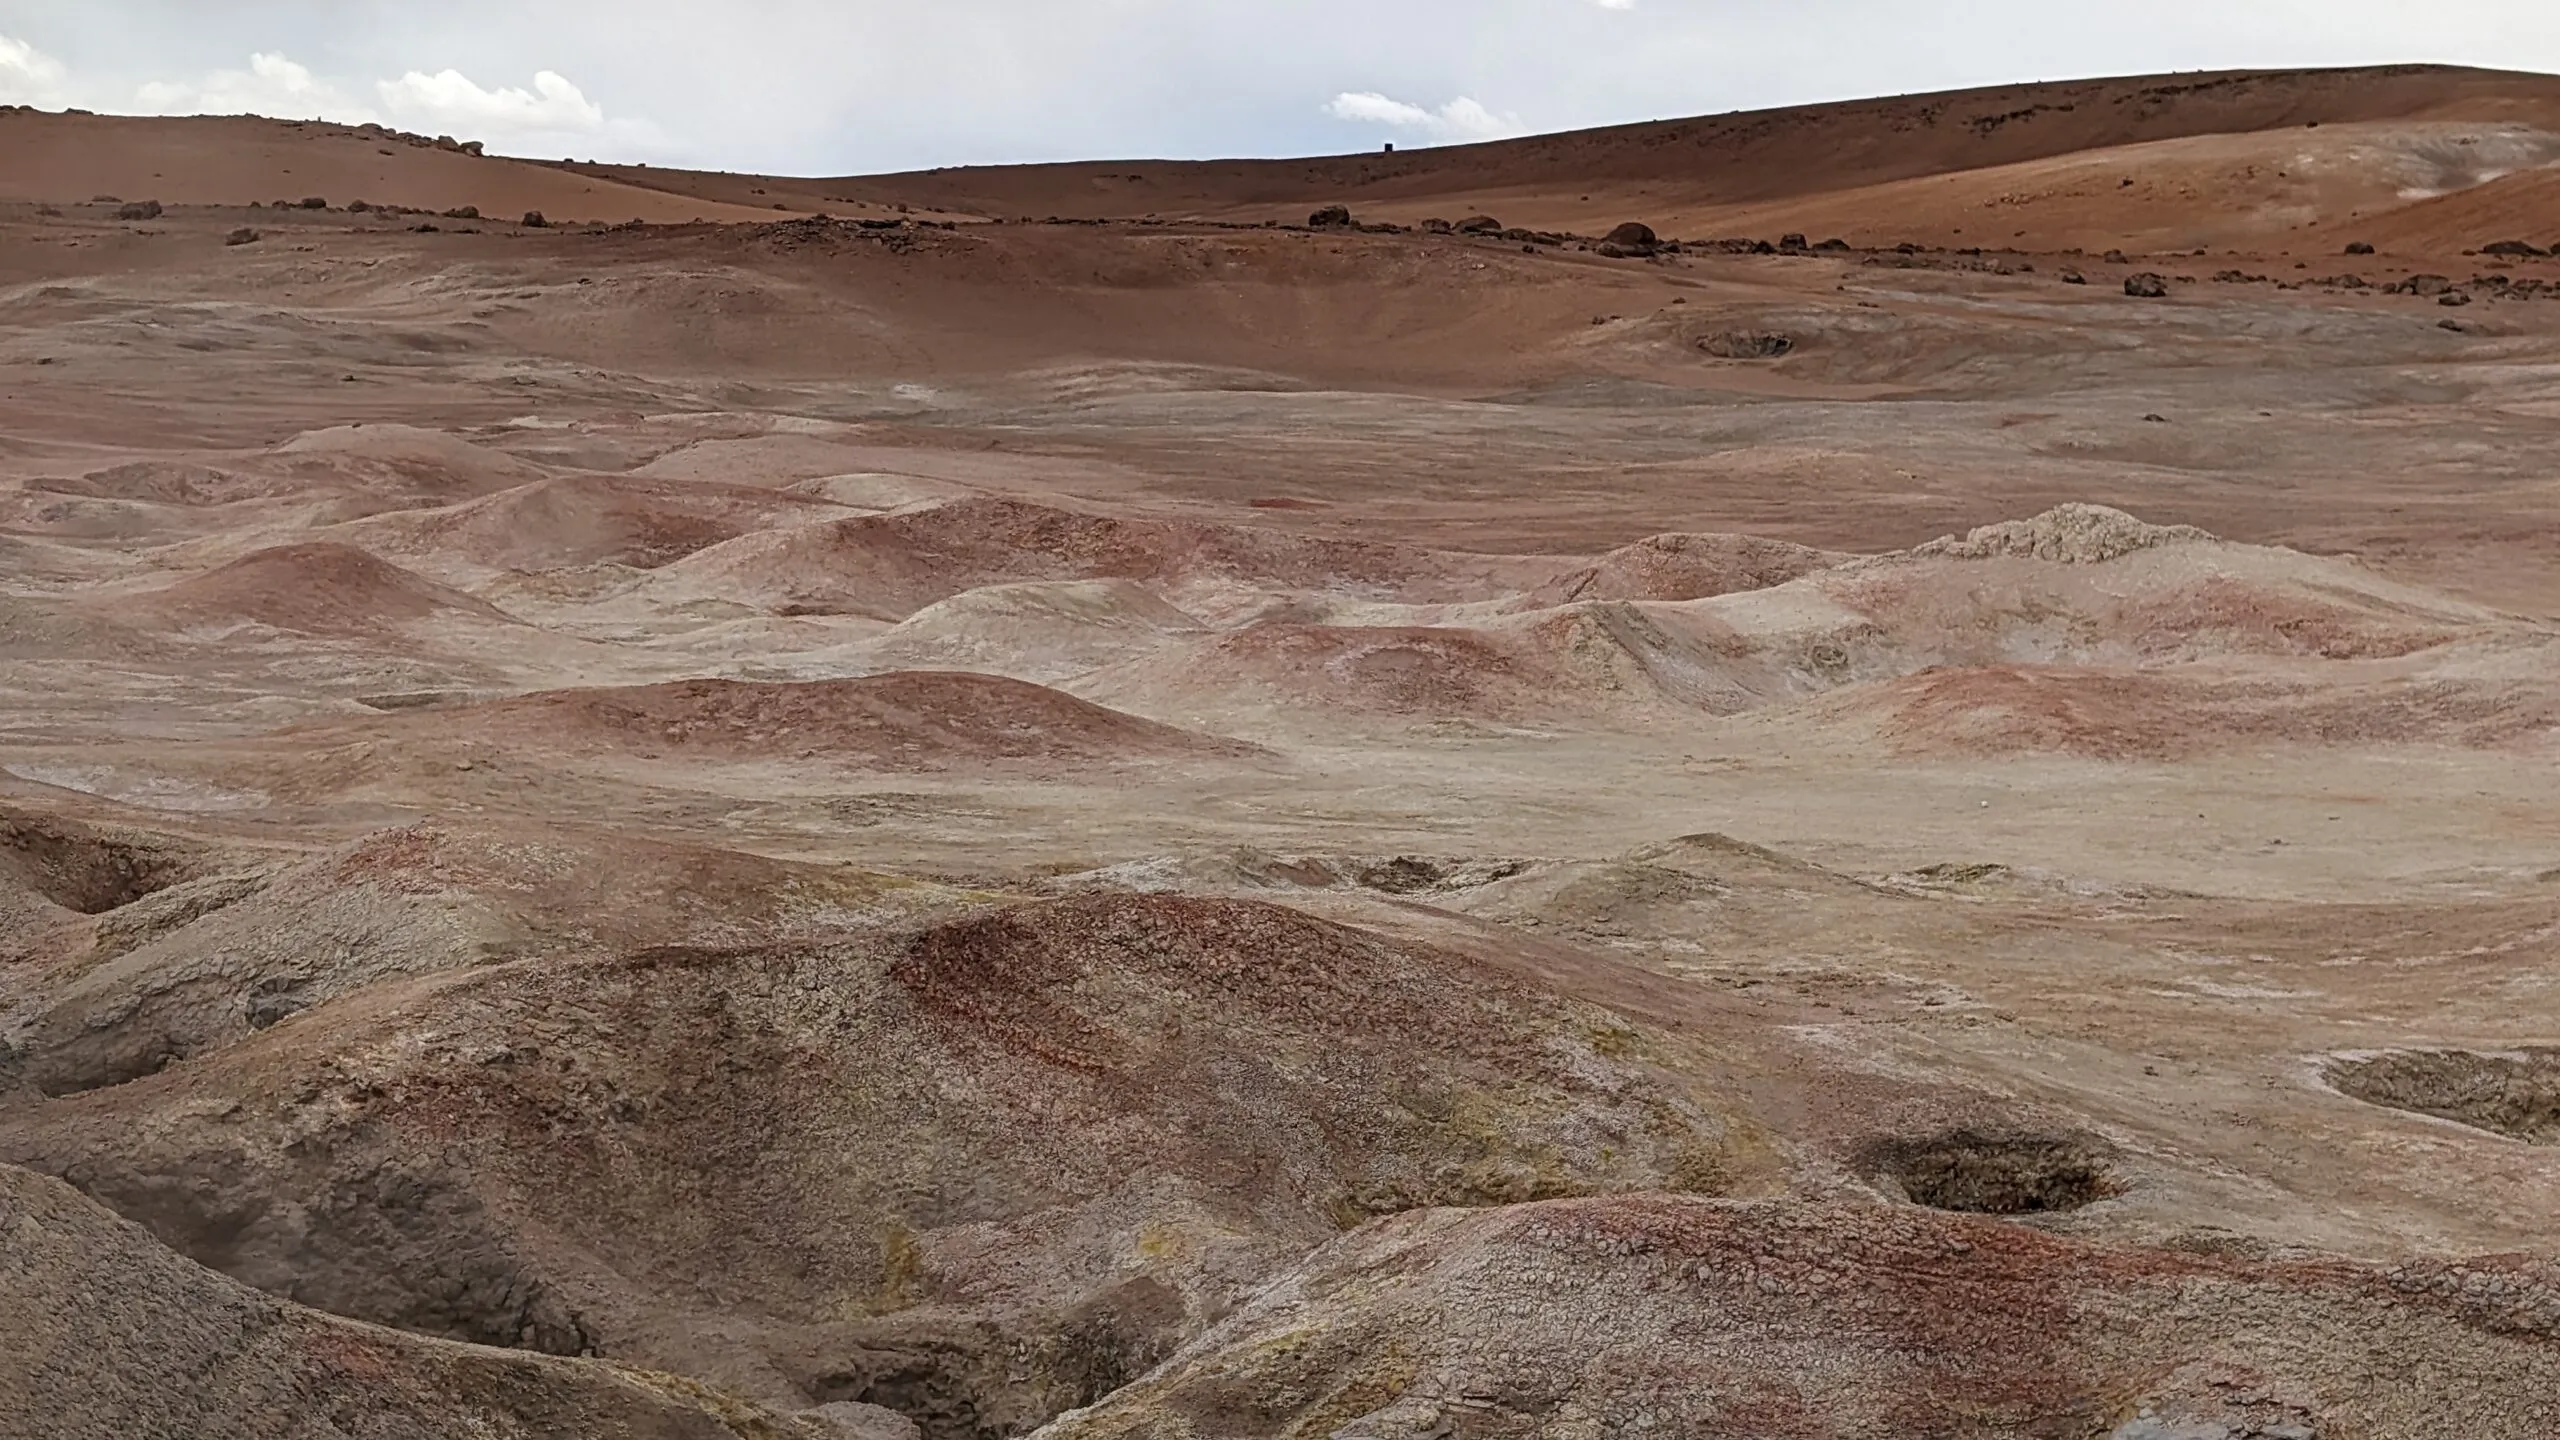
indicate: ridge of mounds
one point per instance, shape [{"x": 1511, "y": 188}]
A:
[
  {"x": 1686, "y": 567},
  {"x": 569, "y": 520},
  {"x": 112, "y": 1333},
  {"x": 1544, "y": 666},
  {"x": 1040, "y": 630},
  {"x": 1677, "y": 887},
  {"x": 921, "y": 1151},
  {"x": 186, "y": 962},
  {"x": 167, "y": 482},
  {"x": 2116, "y": 714},
  {"x": 314, "y": 587},
  {"x": 903, "y": 720},
  {"x": 390, "y": 467},
  {"x": 890, "y": 566},
  {"x": 1658, "y": 1315},
  {"x": 2175, "y": 592}
]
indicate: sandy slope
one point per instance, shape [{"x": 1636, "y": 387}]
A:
[
  {"x": 234, "y": 161},
  {"x": 2213, "y": 142}
]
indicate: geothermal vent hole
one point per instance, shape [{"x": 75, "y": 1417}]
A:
[
  {"x": 84, "y": 871},
  {"x": 1984, "y": 1173},
  {"x": 2515, "y": 1094}
]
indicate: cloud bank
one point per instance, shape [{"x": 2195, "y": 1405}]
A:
[{"x": 1460, "y": 120}]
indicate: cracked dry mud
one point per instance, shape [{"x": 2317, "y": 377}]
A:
[{"x": 921, "y": 826}]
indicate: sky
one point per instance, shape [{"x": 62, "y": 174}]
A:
[{"x": 824, "y": 87}]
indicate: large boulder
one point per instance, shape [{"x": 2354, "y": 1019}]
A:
[
  {"x": 1331, "y": 217},
  {"x": 2147, "y": 286},
  {"x": 1631, "y": 239}
]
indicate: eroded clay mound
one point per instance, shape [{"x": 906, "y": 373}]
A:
[
  {"x": 589, "y": 520},
  {"x": 181, "y": 963},
  {"x": 907, "y": 720},
  {"x": 390, "y": 467},
  {"x": 316, "y": 588},
  {"x": 1659, "y": 1316},
  {"x": 1038, "y": 630},
  {"x": 110, "y": 1333},
  {"x": 2071, "y": 534},
  {"x": 2114, "y": 714},
  {"x": 1014, "y": 1157},
  {"x": 891, "y": 566},
  {"x": 1686, "y": 567}
]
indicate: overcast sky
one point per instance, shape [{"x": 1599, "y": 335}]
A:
[{"x": 836, "y": 86}]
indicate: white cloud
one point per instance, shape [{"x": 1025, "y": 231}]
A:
[
  {"x": 29, "y": 76},
  {"x": 543, "y": 120},
  {"x": 1461, "y": 119},
  {"x": 1615, "y": 4},
  {"x": 450, "y": 101},
  {"x": 272, "y": 86}
]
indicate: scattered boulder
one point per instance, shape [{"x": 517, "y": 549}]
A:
[
  {"x": 1833, "y": 245},
  {"x": 2454, "y": 297},
  {"x": 1480, "y": 225},
  {"x": 315, "y": 202},
  {"x": 2074, "y": 277},
  {"x": 359, "y": 207},
  {"x": 2147, "y": 286},
  {"x": 139, "y": 210},
  {"x": 1747, "y": 345},
  {"x": 463, "y": 212},
  {"x": 1331, "y": 217},
  {"x": 2426, "y": 285},
  {"x": 242, "y": 236},
  {"x": 533, "y": 220},
  {"x": 2114, "y": 257},
  {"x": 2359, "y": 247},
  {"x": 1792, "y": 241},
  {"x": 1437, "y": 226},
  {"x": 2515, "y": 250}
]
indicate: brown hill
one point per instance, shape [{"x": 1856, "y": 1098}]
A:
[
  {"x": 1578, "y": 663},
  {"x": 2146, "y": 162},
  {"x": 1685, "y": 567},
  {"x": 588, "y": 519},
  {"x": 111, "y": 1334},
  {"x": 235, "y": 161},
  {"x": 1687, "y": 174},
  {"x": 176, "y": 957},
  {"x": 891, "y": 566},
  {"x": 1651, "y": 1315},
  {"x": 978, "y": 1171},
  {"x": 317, "y": 587},
  {"x": 905, "y": 720}
]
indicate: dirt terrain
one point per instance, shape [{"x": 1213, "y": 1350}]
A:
[{"x": 1091, "y": 801}]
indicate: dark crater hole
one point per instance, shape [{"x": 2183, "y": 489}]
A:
[
  {"x": 1997, "y": 1173},
  {"x": 2515, "y": 1094}
]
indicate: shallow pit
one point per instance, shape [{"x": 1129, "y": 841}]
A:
[
  {"x": 2513, "y": 1093},
  {"x": 86, "y": 870},
  {"x": 1979, "y": 1172}
]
